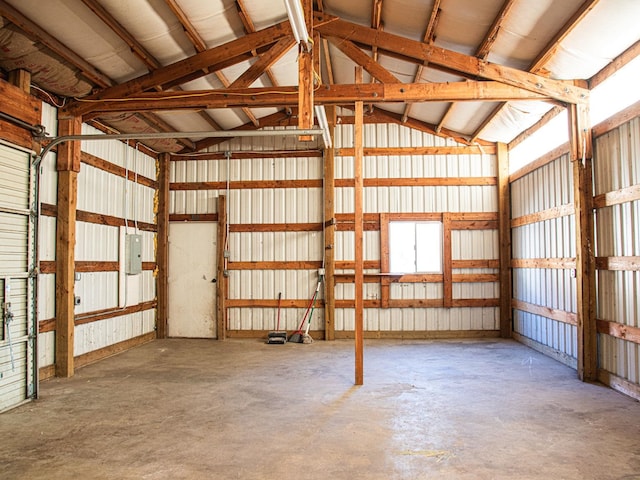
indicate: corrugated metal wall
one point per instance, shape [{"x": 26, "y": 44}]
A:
[
  {"x": 100, "y": 192},
  {"x": 616, "y": 167},
  {"x": 553, "y": 239},
  {"x": 304, "y": 205}
]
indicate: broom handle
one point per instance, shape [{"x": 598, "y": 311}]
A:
[{"x": 279, "y": 299}]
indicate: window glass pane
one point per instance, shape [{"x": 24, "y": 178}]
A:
[
  {"x": 402, "y": 247},
  {"x": 429, "y": 247}
]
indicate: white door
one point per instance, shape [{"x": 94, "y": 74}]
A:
[
  {"x": 192, "y": 270},
  {"x": 17, "y": 279}
]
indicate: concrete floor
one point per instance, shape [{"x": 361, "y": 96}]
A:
[{"x": 197, "y": 409}]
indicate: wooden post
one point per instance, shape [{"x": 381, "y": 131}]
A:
[
  {"x": 330, "y": 232},
  {"x": 359, "y": 253},
  {"x": 385, "y": 281},
  {"x": 580, "y": 140},
  {"x": 504, "y": 233},
  {"x": 68, "y": 166},
  {"x": 162, "y": 248},
  {"x": 21, "y": 79},
  {"x": 305, "y": 77},
  {"x": 221, "y": 285}
]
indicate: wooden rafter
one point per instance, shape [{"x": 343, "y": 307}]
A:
[
  {"x": 266, "y": 60},
  {"x": 482, "y": 52},
  {"x": 30, "y": 28},
  {"x": 428, "y": 38},
  {"x": 139, "y": 51},
  {"x": 376, "y": 70},
  {"x": 545, "y": 55},
  {"x": 419, "y": 52},
  {"x": 200, "y": 46},
  {"x": 445, "y": 117},
  {"x": 334, "y": 94}
]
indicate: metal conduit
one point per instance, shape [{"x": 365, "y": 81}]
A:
[
  {"x": 53, "y": 141},
  {"x": 36, "y": 130}
]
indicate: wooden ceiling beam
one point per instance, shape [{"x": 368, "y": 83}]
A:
[
  {"x": 249, "y": 27},
  {"x": 37, "y": 33},
  {"x": 492, "y": 35},
  {"x": 159, "y": 124},
  {"x": 198, "y": 64},
  {"x": 564, "y": 91},
  {"x": 135, "y": 46},
  {"x": 198, "y": 43},
  {"x": 450, "y": 109},
  {"x": 429, "y": 36},
  {"x": 551, "y": 48},
  {"x": 266, "y": 60},
  {"x": 537, "y": 66},
  {"x": 376, "y": 70},
  {"x": 330, "y": 94}
]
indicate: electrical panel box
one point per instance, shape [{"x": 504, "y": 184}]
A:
[{"x": 133, "y": 254}]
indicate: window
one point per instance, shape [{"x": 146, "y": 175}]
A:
[{"x": 415, "y": 247}]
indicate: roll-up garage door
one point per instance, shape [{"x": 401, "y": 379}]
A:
[{"x": 17, "y": 279}]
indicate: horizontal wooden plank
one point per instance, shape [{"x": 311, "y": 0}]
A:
[
  {"x": 495, "y": 263},
  {"x": 475, "y": 277},
  {"x": 474, "y": 225},
  {"x": 546, "y": 159},
  {"x": 561, "y": 263},
  {"x": 547, "y": 312},
  {"x": 419, "y": 182},
  {"x": 193, "y": 217},
  {"x": 277, "y": 265},
  {"x": 49, "y": 325},
  {"x": 350, "y": 218},
  {"x": 49, "y": 266},
  {"x": 275, "y": 227},
  {"x": 541, "y": 216},
  {"x": 423, "y": 303},
  {"x": 618, "y": 383},
  {"x": 246, "y": 185},
  {"x": 419, "y": 334},
  {"x": 627, "y": 264},
  {"x": 350, "y": 278},
  {"x": 89, "y": 317},
  {"x": 624, "y": 195},
  {"x": 19, "y": 104},
  {"x": 350, "y": 227},
  {"x": 618, "y": 330},
  {"x": 350, "y": 265},
  {"x": 408, "y": 151},
  {"x": 620, "y": 118},
  {"x": 419, "y": 278},
  {"x": 117, "y": 170},
  {"x": 98, "y": 218},
  {"x": 271, "y": 303},
  {"x": 546, "y": 350}
]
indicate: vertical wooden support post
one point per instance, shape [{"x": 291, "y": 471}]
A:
[
  {"x": 68, "y": 166},
  {"x": 221, "y": 284},
  {"x": 162, "y": 245},
  {"x": 504, "y": 234},
  {"x": 305, "y": 77},
  {"x": 580, "y": 140},
  {"x": 385, "y": 281},
  {"x": 330, "y": 232},
  {"x": 359, "y": 253},
  {"x": 21, "y": 79},
  {"x": 447, "y": 262}
]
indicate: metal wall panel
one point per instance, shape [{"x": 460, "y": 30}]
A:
[
  {"x": 547, "y": 187},
  {"x": 617, "y": 229}
]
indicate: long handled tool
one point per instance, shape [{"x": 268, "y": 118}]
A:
[
  {"x": 277, "y": 337},
  {"x": 299, "y": 335}
]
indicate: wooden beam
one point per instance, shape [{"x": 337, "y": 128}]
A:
[
  {"x": 136, "y": 47},
  {"x": 35, "y": 32},
  {"x": 547, "y": 312},
  {"x": 391, "y": 151},
  {"x": 419, "y": 52},
  {"x": 553, "y": 263},
  {"x": 266, "y": 60},
  {"x": 504, "y": 234},
  {"x": 365, "y": 61},
  {"x": 68, "y": 166},
  {"x": 221, "y": 284},
  {"x": 276, "y": 265},
  {"x": 543, "y": 215},
  {"x": 545, "y": 159},
  {"x": 492, "y": 35},
  {"x": 550, "y": 50},
  {"x": 358, "y": 139},
  {"x": 625, "y": 264},
  {"x": 429, "y": 36},
  {"x": 616, "y": 64},
  {"x": 581, "y": 154},
  {"x": 546, "y": 118},
  {"x": 306, "y": 78},
  {"x": 162, "y": 244},
  {"x": 200, "y": 63},
  {"x": 248, "y": 184},
  {"x": 329, "y": 229},
  {"x": 331, "y": 94}
]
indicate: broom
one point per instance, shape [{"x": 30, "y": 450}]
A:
[{"x": 299, "y": 335}]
